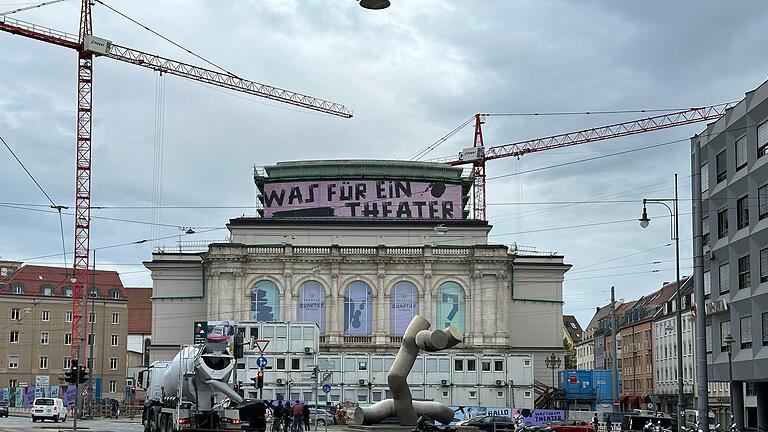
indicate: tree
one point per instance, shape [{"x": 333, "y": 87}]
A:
[{"x": 570, "y": 354}]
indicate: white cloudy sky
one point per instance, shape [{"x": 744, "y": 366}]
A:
[{"x": 411, "y": 73}]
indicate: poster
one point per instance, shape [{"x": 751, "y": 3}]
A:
[
  {"x": 388, "y": 199},
  {"x": 357, "y": 309},
  {"x": 55, "y": 391},
  {"x": 311, "y": 307},
  {"x": 450, "y": 306},
  {"x": 265, "y": 302},
  {"x": 19, "y": 397},
  {"x": 533, "y": 417},
  {"x": 404, "y": 306},
  {"x": 29, "y": 396},
  {"x": 220, "y": 331},
  {"x": 69, "y": 395},
  {"x": 200, "y": 332}
]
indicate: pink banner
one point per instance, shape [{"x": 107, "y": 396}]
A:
[{"x": 388, "y": 199}]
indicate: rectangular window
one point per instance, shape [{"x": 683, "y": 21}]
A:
[
  {"x": 725, "y": 330},
  {"x": 765, "y": 328},
  {"x": 67, "y": 363},
  {"x": 742, "y": 212},
  {"x": 762, "y": 139},
  {"x": 13, "y": 362},
  {"x": 744, "y": 279},
  {"x": 43, "y": 338},
  {"x": 92, "y": 317},
  {"x": 115, "y": 318},
  {"x": 43, "y": 362},
  {"x": 280, "y": 364},
  {"x": 471, "y": 365},
  {"x": 91, "y": 339},
  {"x": 485, "y": 366},
  {"x": 745, "y": 332},
  {"x": 498, "y": 365},
  {"x": 762, "y": 202},
  {"x": 115, "y": 339},
  {"x": 14, "y": 336},
  {"x": 708, "y": 339},
  {"x": 15, "y": 314},
  {"x": 722, "y": 223},
  {"x": 707, "y": 284},
  {"x": 722, "y": 166},
  {"x": 458, "y": 365},
  {"x": 116, "y": 295},
  {"x": 705, "y": 177},
  {"x": 705, "y": 230},
  {"x": 68, "y": 316},
  {"x": 741, "y": 153},
  {"x": 45, "y": 315},
  {"x": 724, "y": 288},
  {"x": 362, "y": 365},
  {"x": 67, "y": 338},
  {"x": 295, "y": 364},
  {"x": 112, "y": 386},
  {"x": 764, "y": 265},
  {"x": 113, "y": 363}
]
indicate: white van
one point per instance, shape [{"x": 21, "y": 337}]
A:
[{"x": 49, "y": 408}]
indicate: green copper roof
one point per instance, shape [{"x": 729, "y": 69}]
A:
[{"x": 359, "y": 169}]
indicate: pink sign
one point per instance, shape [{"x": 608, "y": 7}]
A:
[{"x": 389, "y": 199}]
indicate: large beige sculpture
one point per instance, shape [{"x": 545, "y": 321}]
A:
[{"x": 417, "y": 336}]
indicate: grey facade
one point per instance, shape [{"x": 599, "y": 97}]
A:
[{"x": 734, "y": 224}]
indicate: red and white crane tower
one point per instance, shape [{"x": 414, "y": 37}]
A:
[
  {"x": 478, "y": 155},
  {"x": 87, "y": 47}
]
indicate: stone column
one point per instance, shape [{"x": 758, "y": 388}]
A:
[
  {"x": 213, "y": 294},
  {"x": 489, "y": 306},
  {"x": 737, "y": 403},
  {"x": 427, "y": 307},
  {"x": 332, "y": 319},
  {"x": 761, "y": 388},
  {"x": 502, "y": 302},
  {"x": 477, "y": 306},
  {"x": 290, "y": 310},
  {"x": 380, "y": 318}
]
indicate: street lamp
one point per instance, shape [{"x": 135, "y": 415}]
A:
[
  {"x": 674, "y": 217},
  {"x": 553, "y": 362},
  {"x": 728, "y": 341}
]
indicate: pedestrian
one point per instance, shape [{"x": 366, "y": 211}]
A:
[
  {"x": 305, "y": 414},
  {"x": 608, "y": 425},
  {"x": 277, "y": 416},
  {"x": 287, "y": 416},
  {"x": 113, "y": 405},
  {"x": 298, "y": 416},
  {"x": 595, "y": 423}
]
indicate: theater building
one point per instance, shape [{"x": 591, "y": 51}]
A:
[{"x": 359, "y": 248}]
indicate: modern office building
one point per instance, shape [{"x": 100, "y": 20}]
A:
[
  {"x": 731, "y": 156},
  {"x": 359, "y": 248},
  {"x": 36, "y": 318}
]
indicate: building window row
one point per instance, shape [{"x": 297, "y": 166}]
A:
[
  {"x": 740, "y": 156},
  {"x": 403, "y": 305}
]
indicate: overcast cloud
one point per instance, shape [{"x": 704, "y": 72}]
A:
[{"x": 411, "y": 73}]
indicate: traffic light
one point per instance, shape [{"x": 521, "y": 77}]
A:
[
  {"x": 70, "y": 376},
  {"x": 83, "y": 374},
  {"x": 239, "y": 346},
  {"x": 260, "y": 379}
]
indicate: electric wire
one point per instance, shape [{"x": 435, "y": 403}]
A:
[
  {"x": 22, "y": 9},
  {"x": 423, "y": 152},
  {"x": 101, "y": 2}
]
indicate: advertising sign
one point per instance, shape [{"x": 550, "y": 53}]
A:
[
  {"x": 539, "y": 416},
  {"x": 214, "y": 331},
  {"x": 311, "y": 307},
  {"x": 388, "y": 199},
  {"x": 41, "y": 381},
  {"x": 405, "y": 305},
  {"x": 450, "y": 306},
  {"x": 357, "y": 309},
  {"x": 265, "y": 302},
  {"x": 201, "y": 331}
]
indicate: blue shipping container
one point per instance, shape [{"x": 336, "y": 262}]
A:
[{"x": 586, "y": 385}]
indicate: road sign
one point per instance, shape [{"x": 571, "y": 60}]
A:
[
  {"x": 327, "y": 377},
  {"x": 326, "y": 388},
  {"x": 259, "y": 344},
  {"x": 261, "y": 362}
]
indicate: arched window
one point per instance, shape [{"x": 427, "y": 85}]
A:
[
  {"x": 265, "y": 302},
  {"x": 311, "y": 307},
  {"x": 450, "y": 306},
  {"x": 358, "y": 317},
  {"x": 17, "y": 288},
  {"x": 67, "y": 290},
  {"x": 46, "y": 290},
  {"x": 404, "y": 306}
]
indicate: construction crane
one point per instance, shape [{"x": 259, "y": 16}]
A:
[
  {"x": 478, "y": 155},
  {"x": 87, "y": 47}
]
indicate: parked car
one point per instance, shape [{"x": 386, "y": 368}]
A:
[
  {"x": 569, "y": 426},
  {"x": 3, "y": 409},
  {"x": 491, "y": 423},
  {"x": 49, "y": 408},
  {"x": 323, "y": 416},
  {"x": 636, "y": 422}
]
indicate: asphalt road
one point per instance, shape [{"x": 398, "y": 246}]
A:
[{"x": 14, "y": 424}]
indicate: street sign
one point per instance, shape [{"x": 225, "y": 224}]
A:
[
  {"x": 259, "y": 344},
  {"x": 326, "y": 377},
  {"x": 261, "y": 362},
  {"x": 326, "y": 388}
]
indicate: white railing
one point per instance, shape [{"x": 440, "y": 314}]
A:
[
  {"x": 405, "y": 250},
  {"x": 357, "y": 250},
  {"x": 460, "y": 251},
  {"x": 311, "y": 250}
]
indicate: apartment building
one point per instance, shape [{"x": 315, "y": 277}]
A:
[
  {"x": 36, "y": 318},
  {"x": 730, "y": 159}
]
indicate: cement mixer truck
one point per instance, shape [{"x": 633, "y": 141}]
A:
[{"x": 191, "y": 391}]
